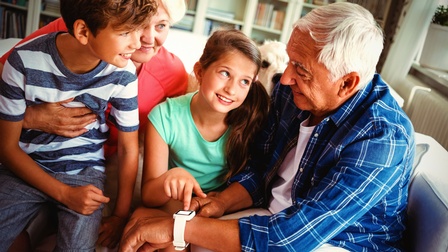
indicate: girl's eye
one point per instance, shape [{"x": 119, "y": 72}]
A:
[
  {"x": 245, "y": 82},
  {"x": 125, "y": 34},
  {"x": 224, "y": 73}
]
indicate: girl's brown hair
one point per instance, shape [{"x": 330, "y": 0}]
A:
[{"x": 246, "y": 120}]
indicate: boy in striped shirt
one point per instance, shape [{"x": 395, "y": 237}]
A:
[{"x": 90, "y": 64}]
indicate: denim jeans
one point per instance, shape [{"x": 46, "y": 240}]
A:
[{"x": 20, "y": 202}]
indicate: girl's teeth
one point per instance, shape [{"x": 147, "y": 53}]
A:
[{"x": 224, "y": 98}]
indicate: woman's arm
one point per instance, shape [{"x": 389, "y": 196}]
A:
[{"x": 57, "y": 119}]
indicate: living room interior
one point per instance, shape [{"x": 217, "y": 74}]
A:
[{"x": 421, "y": 88}]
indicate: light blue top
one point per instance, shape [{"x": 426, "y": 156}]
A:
[{"x": 187, "y": 148}]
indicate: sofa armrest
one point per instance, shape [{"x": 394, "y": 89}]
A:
[{"x": 427, "y": 228}]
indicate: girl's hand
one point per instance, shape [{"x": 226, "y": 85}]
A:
[{"x": 180, "y": 185}]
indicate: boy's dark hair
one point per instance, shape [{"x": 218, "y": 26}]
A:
[
  {"x": 246, "y": 120},
  {"x": 98, "y": 14}
]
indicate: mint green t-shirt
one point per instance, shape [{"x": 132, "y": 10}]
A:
[{"x": 187, "y": 148}]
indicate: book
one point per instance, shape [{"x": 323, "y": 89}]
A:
[{"x": 220, "y": 13}]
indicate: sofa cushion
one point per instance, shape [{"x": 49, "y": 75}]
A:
[
  {"x": 427, "y": 228},
  {"x": 420, "y": 149},
  {"x": 428, "y": 217}
]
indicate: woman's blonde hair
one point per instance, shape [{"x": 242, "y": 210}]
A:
[{"x": 176, "y": 9}]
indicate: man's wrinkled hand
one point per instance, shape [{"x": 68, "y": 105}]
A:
[
  {"x": 147, "y": 234},
  {"x": 211, "y": 206},
  {"x": 110, "y": 231}
]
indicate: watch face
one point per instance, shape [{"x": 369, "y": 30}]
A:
[{"x": 184, "y": 212}]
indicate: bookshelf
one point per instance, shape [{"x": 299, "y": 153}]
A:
[
  {"x": 187, "y": 22},
  {"x": 20, "y": 18},
  {"x": 259, "y": 19},
  {"x": 14, "y": 18},
  {"x": 204, "y": 16},
  {"x": 256, "y": 17},
  {"x": 50, "y": 11}
]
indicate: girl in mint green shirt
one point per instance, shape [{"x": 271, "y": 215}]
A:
[{"x": 194, "y": 142}]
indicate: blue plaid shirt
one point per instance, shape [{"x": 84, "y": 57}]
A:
[{"x": 351, "y": 186}]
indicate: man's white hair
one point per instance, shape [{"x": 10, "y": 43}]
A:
[{"x": 348, "y": 39}]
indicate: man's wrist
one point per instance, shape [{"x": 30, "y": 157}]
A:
[
  {"x": 180, "y": 219},
  {"x": 229, "y": 200}
]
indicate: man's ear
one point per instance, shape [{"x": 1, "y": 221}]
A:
[
  {"x": 349, "y": 85},
  {"x": 197, "y": 69},
  {"x": 81, "y": 32}
]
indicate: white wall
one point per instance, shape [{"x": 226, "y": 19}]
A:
[{"x": 408, "y": 40}]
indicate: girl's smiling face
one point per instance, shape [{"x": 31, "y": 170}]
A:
[{"x": 224, "y": 85}]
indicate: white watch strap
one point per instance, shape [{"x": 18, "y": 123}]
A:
[{"x": 178, "y": 232}]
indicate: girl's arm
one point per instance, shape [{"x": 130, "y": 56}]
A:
[
  {"x": 155, "y": 166},
  {"x": 176, "y": 183}
]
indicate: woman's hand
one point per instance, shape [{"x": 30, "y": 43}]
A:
[
  {"x": 180, "y": 184},
  {"x": 56, "y": 119}
]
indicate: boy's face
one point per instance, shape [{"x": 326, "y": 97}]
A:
[{"x": 114, "y": 46}]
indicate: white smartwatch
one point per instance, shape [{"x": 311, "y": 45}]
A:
[{"x": 180, "y": 219}]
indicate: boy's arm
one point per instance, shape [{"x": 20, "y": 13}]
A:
[
  {"x": 112, "y": 226},
  {"x": 84, "y": 199},
  {"x": 53, "y": 117},
  {"x": 16, "y": 160},
  {"x": 127, "y": 172}
]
